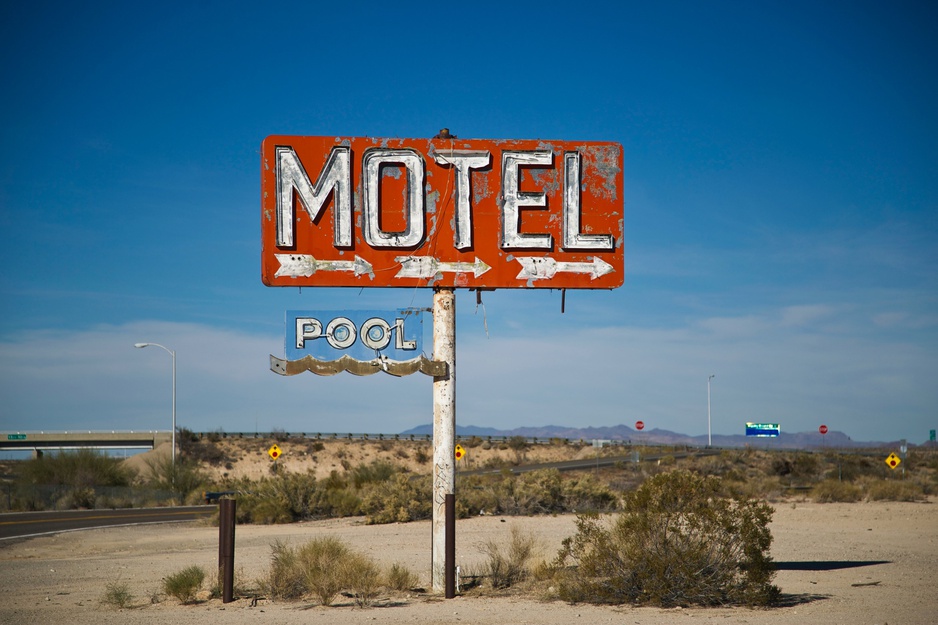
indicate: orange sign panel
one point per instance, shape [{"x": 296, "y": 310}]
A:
[{"x": 443, "y": 212}]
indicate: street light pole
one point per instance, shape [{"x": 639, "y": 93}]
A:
[
  {"x": 709, "y": 440},
  {"x": 173, "y": 354}
]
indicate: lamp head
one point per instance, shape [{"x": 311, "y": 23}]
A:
[{"x": 141, "y": 344}]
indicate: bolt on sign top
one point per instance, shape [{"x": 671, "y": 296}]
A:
[{"x": 443, "y": 212}]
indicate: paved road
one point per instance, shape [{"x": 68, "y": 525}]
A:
[{"x": 24, "y": 524}]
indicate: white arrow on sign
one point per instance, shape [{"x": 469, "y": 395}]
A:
[
  {"x": 544, "y": 268},
  {"x": 296, "y": 265},
  {"x": 427, "y": 267}
]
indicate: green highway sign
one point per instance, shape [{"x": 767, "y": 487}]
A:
[{"x": 16, "y": 437}]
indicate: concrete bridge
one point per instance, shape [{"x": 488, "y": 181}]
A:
[{"x": 42, "y": 441}]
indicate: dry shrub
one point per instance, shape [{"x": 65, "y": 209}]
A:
[
  {"x": 398, "y": 501},
  {"x": 508, "y": 562},
  {"x": 321, "y": 562},
  {"x": 401, "y": 578},
  {"x": 284, "y": 579},
  {"x": 678, "y": 541},
  {"x": 835, "y": 491},
  {"x": 322, "y": 567},
  {"x": 893, "y": 490},
  {"x": 362, "y": 576}
]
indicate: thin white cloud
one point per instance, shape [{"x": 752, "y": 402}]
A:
[{"x": 766, "y": 367}]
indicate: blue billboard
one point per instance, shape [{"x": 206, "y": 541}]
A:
[
  {"x": 359, "y": 334},
  {"x": 763, "y": 429}
]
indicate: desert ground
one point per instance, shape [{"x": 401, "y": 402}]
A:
[{"x": 862, "y": 563}]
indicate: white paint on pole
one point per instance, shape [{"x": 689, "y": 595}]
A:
[{"x": 444, "y": 426}]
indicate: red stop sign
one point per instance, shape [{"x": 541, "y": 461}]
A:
[
  {"x": 822, "y": 429},
  {"x": 639, "y": 425}
]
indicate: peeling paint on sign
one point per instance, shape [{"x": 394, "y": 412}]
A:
[{"x": 441, "y": 212}]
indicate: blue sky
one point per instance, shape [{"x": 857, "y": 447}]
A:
[{"x": 780, "y": 210}]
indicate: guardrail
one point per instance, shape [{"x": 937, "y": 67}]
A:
[{"x": 364, "y": 436}]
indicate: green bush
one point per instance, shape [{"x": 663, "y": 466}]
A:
[
  {"x": 678, "y": 541},
  {"x": 399, "y": 501},
  {"x": 375, "y": 472},
  {"x": 537, "y": 492},
  {"x": 517, "y": 443},
  {"x": 118, "y": 595},
  {"x": 67, "y": 480},
  {"x": 289, "y": 497},
  {"x": 83, "y": 468},
  {"x": 180, "y": 478},
  {"x": 185, "y": 584},
  {"x": 586, "y": 493},
  {"x": 835, "y": 491}
]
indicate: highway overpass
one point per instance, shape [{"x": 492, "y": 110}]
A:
[{"x": 38, "y": 442}]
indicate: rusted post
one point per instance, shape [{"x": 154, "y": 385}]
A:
[
  {"x": 226, "y": 547},
  {"x": 450, "y": 577},
  {"x": 444, "y": 428}
]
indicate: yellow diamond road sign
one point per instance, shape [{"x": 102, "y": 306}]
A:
[
  {"x": 274, "y": 452},
  {"x": 460, "y": 452},
  {"x": 893, "y": 461}
]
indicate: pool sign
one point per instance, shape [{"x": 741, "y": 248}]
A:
[
  {"x": 763, "y": 429},
  {"x": 359, "y": 334},
  {"x": 444, "y": 212}
]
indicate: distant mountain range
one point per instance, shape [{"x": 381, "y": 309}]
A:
[{"x": 786, "y": 440}]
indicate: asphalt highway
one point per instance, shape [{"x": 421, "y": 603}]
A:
[{"x": 26, "y": 524}]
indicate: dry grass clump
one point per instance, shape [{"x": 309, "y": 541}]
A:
[
  {"x": 324, "y": 567},
  {"x": 836, "y": 491},
  {"x": 185, "y": 584},
  {"x": 509, "y": 562},
  {"x": 117, "y": 595},
  {"x": 401, "y": 578},
  {"x": 895, "y": 490}
]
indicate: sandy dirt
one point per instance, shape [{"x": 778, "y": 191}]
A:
[
  {"x": 248, "y": 458},
  {"x": 854, "y": 564}
]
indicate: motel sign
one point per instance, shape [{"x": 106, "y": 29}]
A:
[{"x": 444, "y": 212}]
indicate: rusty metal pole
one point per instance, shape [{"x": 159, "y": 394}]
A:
[
  {"x": 450, "y": 576},
  {"x": 226, "y": 548},
  {"x": 444, "y": 432}
]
